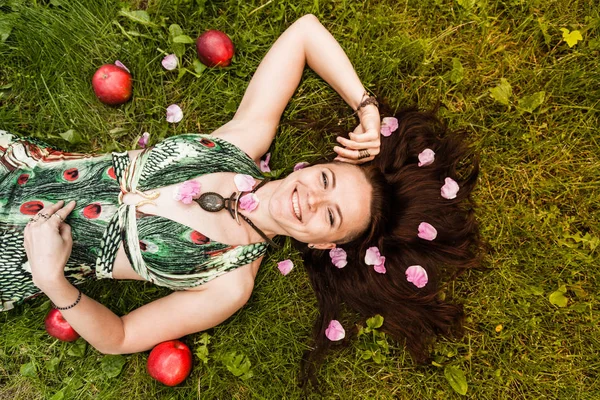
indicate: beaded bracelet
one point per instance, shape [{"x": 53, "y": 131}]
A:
[
  {"x": 72, "y": 305},
  {"x": 366, "y": 102}
]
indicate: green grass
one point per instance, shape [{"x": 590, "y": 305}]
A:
[{"x": 538, "y": 195}]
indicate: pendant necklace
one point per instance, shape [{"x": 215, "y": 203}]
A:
[{"x": 214, "y": 202}]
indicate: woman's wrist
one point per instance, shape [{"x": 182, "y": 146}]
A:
[{"x": 52, "y": 286}]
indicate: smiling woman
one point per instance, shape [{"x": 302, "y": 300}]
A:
[{"x": 195, "y": 214}]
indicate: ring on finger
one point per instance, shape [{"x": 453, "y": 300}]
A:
[
  {"x": 59, "y": 217},
  {"x": 32, "y": 220},
  {"x": 44, "y": 215},
  {"x": 363, "y": 153}
]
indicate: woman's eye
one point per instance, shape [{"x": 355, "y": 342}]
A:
[
  {"x": 325, "y": 180},
  {"x": 330, "y": 217}
]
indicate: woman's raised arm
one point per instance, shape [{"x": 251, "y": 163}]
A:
[{"x": 305, "y": 42}]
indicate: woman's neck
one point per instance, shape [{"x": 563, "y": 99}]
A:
[{"x": 261, "y": 217}]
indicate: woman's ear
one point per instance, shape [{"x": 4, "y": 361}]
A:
[{"x": 322, "y": 246}]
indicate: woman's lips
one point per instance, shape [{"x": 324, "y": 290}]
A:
[{"x": 296, "y": 205}]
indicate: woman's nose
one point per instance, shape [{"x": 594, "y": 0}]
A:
[{"x": 315, "y": 199}]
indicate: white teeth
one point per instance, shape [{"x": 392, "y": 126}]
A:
[{"x": 296, "y": 205}]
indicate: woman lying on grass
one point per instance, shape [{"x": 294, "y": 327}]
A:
[{"x": 195, "y": 214}]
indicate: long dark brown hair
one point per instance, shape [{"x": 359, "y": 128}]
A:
[{"x": 404, "y": 195}]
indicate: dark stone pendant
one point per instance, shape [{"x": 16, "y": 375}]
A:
[{"x": 211, "y": 201}]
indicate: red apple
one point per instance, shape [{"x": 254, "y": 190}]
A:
[
  {"x": 58, "y": 327},
  {"x": 112, "y": 84},
  {"x": 170, "y": 362},
  {"x": 215, "y": 48}
]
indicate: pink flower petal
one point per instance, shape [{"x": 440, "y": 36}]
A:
[
  {"x": 285, "y": 266},
  {"x": 372, "y": 257},
  {"x": 417, "y": 275},
  {"x": 388, "y": 125},
  {"x": 143, "y": 140},
  {"x": 338, "y": 257},
  {"x": 174, "y": 113},
  {"x": 121, "y": 65},
  {"x": 426, "y": 157},
  {"x": 335, "y": 331},
  {"x": 169, "y": 62},
  {"x": 187, "y": 191},
  {"x": 450, "y": 189},
  {"x": 249, "y": 202},
  {"x": 264, "y": 164},
  {"x": 427, "y": 231},
  {"x": 243, "y": 182},
  {"x": 301, "y": 165},
  {"x": 380, "y": 267}
]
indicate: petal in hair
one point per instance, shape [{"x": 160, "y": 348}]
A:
[
  {"x": 121, "y": 65},
  {"x": 301, "y": 165},
  {"x": 450, "y": 189},
  {"x": 187, "y": 192},
  {"x": 388, "y": 126},
  {"x": 417, "y": 275},
  {"x": 380, "y": 267},
  {"x": 426, "y": 157},
  {"x": 427, "y": 231},
  {"x": 243, "y": 182},
  {"x": 372, "y": 256},
  {"x": 169, "y": 62},
  {"x": 285, "y": 266},
  {"x": 264, "y": 164},
  {"x": 174, "y": 113},
  {"x": 335, "y": 331},
  {"x": 143, "y": 140},
  {"x": 338, "y": 257},
  {"x": 249, "y": 202}
]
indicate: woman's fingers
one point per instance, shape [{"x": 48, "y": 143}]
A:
[
  {"x": 354, "y": 145},
  {"x": 356, "y": 156},
  {"x": 60, "y": 215}
]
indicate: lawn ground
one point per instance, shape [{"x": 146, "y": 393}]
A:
[{"x": 521, "y": 76}]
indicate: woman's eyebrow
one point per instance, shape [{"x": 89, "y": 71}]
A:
[{"x": 332, "y": 178}]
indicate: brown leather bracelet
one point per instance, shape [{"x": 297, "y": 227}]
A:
[{"x": 367, "y": 101}]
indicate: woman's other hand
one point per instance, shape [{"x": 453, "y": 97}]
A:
[
  {"x": 364, "y": 141},
  {"x": 48, "y": 243}
]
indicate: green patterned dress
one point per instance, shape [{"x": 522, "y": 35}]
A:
[{"x": 162, "y": 251}]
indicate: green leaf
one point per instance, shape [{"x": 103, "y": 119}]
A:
[
  {"x": 458, "y": 72},
  {"x": 466, "y": 4},
  {"x": 139, "y": 16},
  {"x": 558, "y": 298},
  {"x": 456, "y": 379},
  {"x": 52, "y": 364},
  {"x": 183, "y": 39},
  {"x": 238, "y": 364},
  {"x": 502, "y": 92},
  {"x": 530, "y": 103},
  {"x": 77, "y": 349},
  {"x": 544, "y": 28},
  {"x": 71, "y": 136},
  {"x": 571, "y": 37},
  {"x": 231, "y": 105},
  {"x": 198, "y": 66},
  {"x": 60, "y": 395},
  {"x": 366, "y": 354},
  {"x": 28, "y": 370},
  {"x": 112, "y": 365},
  {"x": 175, "y": 30},
  {"x": 378, "y": 357},
  {"x": 375, "y": 322},
  {"x": 5, "y": 29},
  {"x": 535, "y": 290}
]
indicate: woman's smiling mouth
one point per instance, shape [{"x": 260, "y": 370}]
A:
[{"x": 296, "y": 205}]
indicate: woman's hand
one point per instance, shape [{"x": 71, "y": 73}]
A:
[
  {"x": 364, "y": 141},
  {"x": 48, "y": 243}
]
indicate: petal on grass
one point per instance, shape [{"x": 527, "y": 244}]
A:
[
  {"x": 143, "y": 140},
  {"x": 301, "y": 165},
  {"x": 285, "y": 266},
  {"x": 174, "y": 113},
  {"x": 335, "y": 331},
  {"x": 169, "y": 62},
  {"x": 264, "y": 164},
  {"x": 121, "y": 65}
]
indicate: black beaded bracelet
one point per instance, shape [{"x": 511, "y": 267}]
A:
[{"x": 72, "y": 305}]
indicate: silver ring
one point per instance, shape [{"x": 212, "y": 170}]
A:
[
  {"x": 44, "y": 215},
  {"x": 59, "y": 217},
  {"x": 32, "y": 219},
  {"x": 363, "y": 153}
]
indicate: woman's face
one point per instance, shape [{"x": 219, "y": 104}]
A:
[{"x": 324, "y": 203}]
